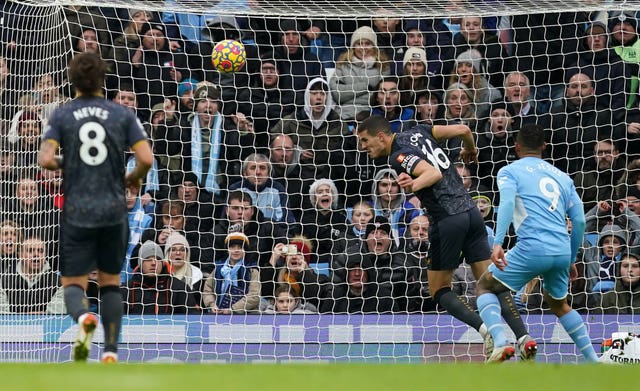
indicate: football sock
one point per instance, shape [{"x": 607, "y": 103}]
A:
[
  {"x": 76, "y": 301},
  {"x": 489, "y": 308},
  {"x": 111, "y": 313},
  {"x": 511, "y": 315},
  {"x": 573, "y": 324},
  {"x": 456, "y": 308}
]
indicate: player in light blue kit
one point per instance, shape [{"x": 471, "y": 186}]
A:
[{"x": 536, "y": 197}]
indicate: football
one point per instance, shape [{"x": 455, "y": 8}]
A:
[{"x": 228, "y": 56}]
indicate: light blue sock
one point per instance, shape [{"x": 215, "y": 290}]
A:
[
  {"x": 489, "y": 308},
  {"x": 573, "y": 324}
]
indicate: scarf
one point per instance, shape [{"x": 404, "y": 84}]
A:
[
  {"x": 230, "y": 274},
  {"x": 152, "y": 182},
  {"x": 367, "y": 62},
  {"x": 214, "y": 153}
]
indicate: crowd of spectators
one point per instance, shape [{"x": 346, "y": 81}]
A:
[{"x": 259, "y": 201}]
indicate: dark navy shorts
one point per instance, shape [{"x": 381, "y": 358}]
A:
[
  {"x": 457, "y": 237},
  {"x": 83, "y": 249}
]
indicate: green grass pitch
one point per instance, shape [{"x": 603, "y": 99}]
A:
[{"x": 325, "y": 377}]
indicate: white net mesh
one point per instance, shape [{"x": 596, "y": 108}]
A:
[{"x": 489, "y": 64}]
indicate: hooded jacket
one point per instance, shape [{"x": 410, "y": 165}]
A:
[
  {"x": 324, "y": 136},
  {"x": 594, "y": 257}
]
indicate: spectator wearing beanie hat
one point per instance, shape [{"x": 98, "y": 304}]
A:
[
  {"x": 419, "y": 34},
  {"x": 474, "y": 35},
  {"x": 470, "y": 69},
  {"x": 358, "y": 71},
  {"x": 295, "y": 272},
  {"x": 177, "y": 252},
  {"x": 186, "y": 100},
  {"x": 235, "y": 286},
  {"x": 297, "y": 256},
  {"x": 484, "y": 202},
  {"x": 623, "y": 27},
  {"x": 416, "y": 75},
  {"x": 323, "y": 223},
  {"x": 153, "y": 291}
]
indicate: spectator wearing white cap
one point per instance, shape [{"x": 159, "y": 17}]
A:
[
  {"x": 152, "y": 290},
  {"x": 358, "y": 70},
  {"x": 469, "y": 69},
  {"x": 235, "y": 286}
]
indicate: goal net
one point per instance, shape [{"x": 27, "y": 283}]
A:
[{"x": 276, "y": 239}]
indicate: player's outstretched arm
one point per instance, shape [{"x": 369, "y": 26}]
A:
[
  {"x": 47, "y": 156},
  {"x": 469, "y": 152},
  {"x": 578, "y": 224}
]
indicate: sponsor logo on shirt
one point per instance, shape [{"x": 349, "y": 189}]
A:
[
  {"x": 400, "y": 158},
  {"x": 409, "y": 162}
]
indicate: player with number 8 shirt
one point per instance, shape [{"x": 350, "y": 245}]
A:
[
  {"x": 456, "y": 225},
  {"x": 93, "y": 134}
]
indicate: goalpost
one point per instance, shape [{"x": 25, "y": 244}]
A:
[{"x": 541, "y": 39}]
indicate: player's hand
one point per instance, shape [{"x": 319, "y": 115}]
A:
[
  {"x": 497, "y": 257},
  {"x": 469, "y": 156},
  {"x": 405, "y": 181},
  {"x": 573, "y": 272}
]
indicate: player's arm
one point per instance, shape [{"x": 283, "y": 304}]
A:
[
  {"x": 47, "y": 157},
  {"x": 423, "y": 175},
  {"x": 578, "y": 224},
  {"x": 507, "y": 187},
  {"x": 469, "y": 152},
  {"x": 144, "y": 161}
]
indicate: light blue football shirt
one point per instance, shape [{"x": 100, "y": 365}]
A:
[{"x": 537, "y": 197}]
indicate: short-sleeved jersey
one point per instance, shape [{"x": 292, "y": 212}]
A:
[
  {"x": 93, "y": 134},
  {"x": 543, "y": 195},
  {"x": 446, "y": 197}
]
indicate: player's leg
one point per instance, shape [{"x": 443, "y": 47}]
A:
[
  {"x": 77, "y": 260},
  {"x": 447, "y": 239},
  {"x": 111, "y": 314},
  {"x": 440, "y": 290},
  {"x": 477, "y": 253},
  {"x": 555, "y": 284},
  {"x": 113, "y": 244},
  {"x": 489, "y": 308},
  {"x": 526, "y": 344},
  {"x": 573, "y": 324}
]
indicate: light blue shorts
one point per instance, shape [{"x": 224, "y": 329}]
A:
[{"x": 521, "y": 269}]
